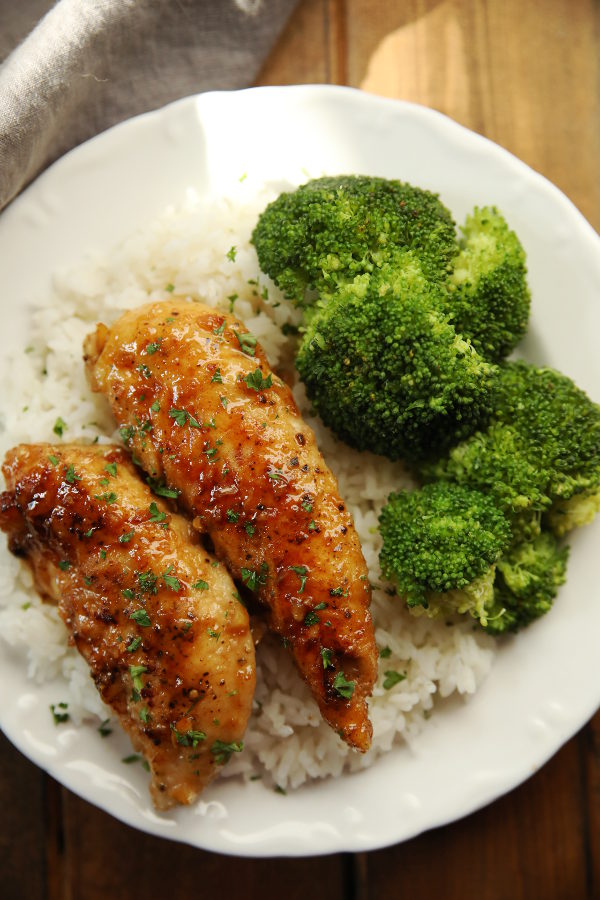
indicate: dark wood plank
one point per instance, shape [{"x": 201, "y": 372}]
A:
[
  {"x": 589, "y": 743},
  {"x": 529, "y": 844},
  {"x": 105, "y": 858},
  {"x": 22, "y": 835}
]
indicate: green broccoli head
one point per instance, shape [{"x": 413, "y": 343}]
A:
[
  {"x": 539, "y": 457},
  {"x": 527, "y": 580},
  {"x": 440, "y": 547},
  {"x": 332, "y": 229},
  {"x": 386, "y": 371},
  {"x": 488, "y": 298}
]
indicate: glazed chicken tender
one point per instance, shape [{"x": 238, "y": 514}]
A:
[
  {"x": 199, "y": 407},
  {"x": 153, "y": 614}
]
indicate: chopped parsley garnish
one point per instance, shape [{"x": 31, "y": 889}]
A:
[
  {"x": 103, "y": 554},
  {"x": 54, "y": 460},
  {"x": 252, "y": 579},
  {"x": 211, "y": 452},
  {"x": 147, "y": 582},
  {"x": 224, "y": 402},
  {"x": 145, "y": 715},
  {"x": 156, "y": 515},
  {"x": 145, "y": 371},
  {"x": 232, "y": 298},
  {"x": 279, "y": 790},
  {"x": 108, "y": 497},
  {"x": 134, "y": 644},
  {"x": 153, "y": 347},
  {"x": 392, "y": 678},
  {"x": 222, "y": 751},
  {"x": 213, "y": 634},
  {"x": 182, "y": 418},
  {"x": 232, "y": 515},
  {"x": 87, "y": 580},
  {"x": 217, "y": 377},
  {"x": 307, "y": 506},
  {"x": 321, "y": 605},
  {"x": 132, "y": 758},
  {"x": 70, "y": 475},
  {"x": 170, "y": 288},
  {"x": 155, "y": 406},
  {"x": 64, "y": 565},
  {"x": 302, "y": 572},
  {"x": 256, "y": 382},
  {"x": 126, "y": 432},
  {"x": 247, "y": 342},
  {"x": 201, "y": 585},
  {"x": 385, "y": 653},
  {"x": 141, "y": 617},
  {"x": 111, "y": 468},
  {"x": 161, "y": 489},
  {"x": 136, "y": 672},
  {"x": 312, "y": 525},
  {"x": 171, "y": 582},
  {"x": 327, "y": 657},
  {"x": 103, "y": 728},
  {"x": 231, "y": 254},
  {"x": 59, "y": 427},
  {"x": 59, "y": 717},
  {"x": 311, "y": 618},
  {"x": 336, "y": 592},
  {"x": 125, "y": 538},
  {"x": 344, "y": 687},
  {"x": 277, "y": 475},
  {"x": 250, "y": 529},
  {"x": 189, "y": 738},
  {"x": 128, "y": 594}
]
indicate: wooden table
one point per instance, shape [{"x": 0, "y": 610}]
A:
[{"x": 526, "y": 73}]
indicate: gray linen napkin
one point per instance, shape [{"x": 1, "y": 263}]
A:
[{"x": 91, "y": 63}]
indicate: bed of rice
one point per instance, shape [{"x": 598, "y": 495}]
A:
[{"x": 187, "y": 251}]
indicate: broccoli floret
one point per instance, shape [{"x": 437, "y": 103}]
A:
[
  {"x": 489, "y": 299},
  {"x": 386, "y": 371},
  {"x": 440, "y": 547},
  {"x": 527, "y": 580},
  {"x": 332, "y": 229},
  {"x": 539, "y": 457}
]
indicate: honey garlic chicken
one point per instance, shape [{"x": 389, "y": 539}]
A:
[
  {"x": 201, "y": 411},
  {"x": 153, "y": 614}
]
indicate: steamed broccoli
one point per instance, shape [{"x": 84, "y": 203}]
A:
[
  {"x": 539, "y": 457},
  {"x": 440, "y": 547},
  {"x": 527, "y": 580},
  {"x": 488, "y": 298},
  {"x": 386, "y": 371},
  {"x": 332, "y": 229}
]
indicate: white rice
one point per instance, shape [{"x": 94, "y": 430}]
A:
[{"x": 185, "y": 252}]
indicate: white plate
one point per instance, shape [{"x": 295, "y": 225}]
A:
[{"x": 545, "y": 683}]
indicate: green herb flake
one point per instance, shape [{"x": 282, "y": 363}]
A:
[
  {"x": 161, "y": 489},
  {"x": 307, "y": 506},
  {"x": 108, "y": 497},
  {"x": 141, "y": 617},
  {"x": 147, "y": 582},
  {"x": 213, "y": 634},
  {"x": 277, "y": 475},
  {"x": 134, "y": 644},
  {"x": 155, "y": 406},
  {"x": 224, "y": 402},
  {"x": 217, "y": 379},
  {"x": 170, "y": 288},
  {"x": 170, "y": 580},
  {"x": 59, "y": 427},
  {"x": 128, "y": 594},
  {"x": 189, "y": 738},
  {"x": 132, "y": 758},
  {"x": 231, "y": 254},
  {"x": 336, "y": 592},
  {"x": 392, "y": 678},
  {"x": 201, "y": 585},
  {"x": 302, "y": 571},
  {"x": 232, "y": 298},
  {"x": 247, "y": 342},
  {"x": 103, "y": 728},
  {"x": 126, "y": 432},
  {"x": 232, "y": 515},
  {"x": 125, "y": 538},
  {"x": 70, "y": 475},
  {"x": 145, "y": 715},
  {"x": 312, "y": 525},
  {"x": 111, "y": 468},
  {"x": 385, "y": 653},
  {"x": 136, "y": 673},
  {"x": 253, "y": 579},
  {"x": 249, "y": 528},
  {"x": 222, "y": 751},
  {"x": 156, "y": 515},
  {"x": 256, "y": 382},
  {"x": 64, "y": 565},
  {"x": 144, "y": 370},
  {"x": 153, "y": 347},
  {"x": 344, "y": 687},
  {"x": 58, "y": 713},
  {"x": 180, "y": 416},
  {"x": 103, "y": 554},
  {"x": 327, "y": 657},
  {"x": 54, "y": 460},
  {"x": 89, "y": 533}
]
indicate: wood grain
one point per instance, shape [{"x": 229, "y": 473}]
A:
[{"x": 527, "y": 75}]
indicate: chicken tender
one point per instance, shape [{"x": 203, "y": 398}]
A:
[
  {"x": 154, "y": 615},
  {"x": 202, "y": 412}
]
